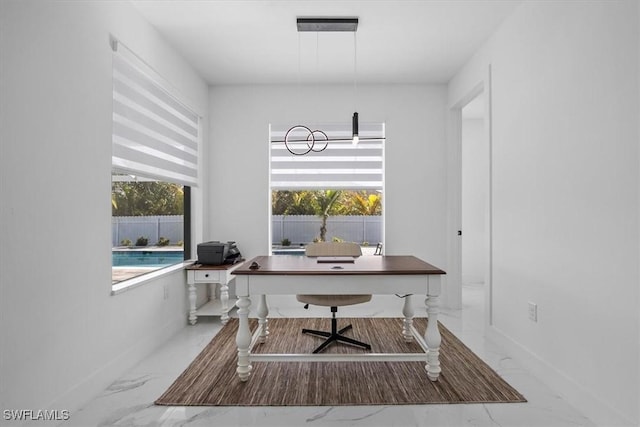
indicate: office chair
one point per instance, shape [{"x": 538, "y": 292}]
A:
[{"x": 333, "y": 301}]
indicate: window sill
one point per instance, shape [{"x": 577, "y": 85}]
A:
[{"x": 134, "y": 282}]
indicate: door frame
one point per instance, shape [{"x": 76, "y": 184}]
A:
[{"x": 454, "y": 205}]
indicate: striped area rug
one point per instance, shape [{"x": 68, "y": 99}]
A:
[{"x": 211, "y": 378}]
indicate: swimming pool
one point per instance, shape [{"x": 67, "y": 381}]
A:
[{"x": 145, "y": 258}]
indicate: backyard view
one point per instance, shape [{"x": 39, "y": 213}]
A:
[
  {"x": 148, "y": 222},
  {"x": 147, "y": 225},
  {"x": 304, "y": 216}
]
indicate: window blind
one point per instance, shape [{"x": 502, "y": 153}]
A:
[
  {"x": 154, "y": 133},
  {"x": 341, "y": 165}
]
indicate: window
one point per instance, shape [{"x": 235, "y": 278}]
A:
[
  {"x": 149, "y": 226},
  {"x": 154, "y": 159},
  {"x": 334, "y": 194}
]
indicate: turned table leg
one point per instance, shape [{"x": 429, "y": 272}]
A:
[
  {"x": 224, "y": 300},
  {"x": 408, "y": 313},
  {"x": 432, "y": 338},
  {"x": 263, "y": 312},
  {"x": 192, "y": 304},
  {"x": 243, "y": 338}
]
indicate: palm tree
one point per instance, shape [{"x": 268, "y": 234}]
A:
[
  {"x": 129, "y": 198},
  {"x": 301, "y": 203},
  {"x": 368, "y": 204},
  {"x": 325, "y": 204}
]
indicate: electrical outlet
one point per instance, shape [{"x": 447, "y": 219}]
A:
[{"x": 533, "y": 311}]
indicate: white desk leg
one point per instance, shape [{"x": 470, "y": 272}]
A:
[
  {"x": 243, "y": 339},
  {"x": 224, "y": 299},
  {"x": 432, "y": 338},
  {"x": 408, "y": 313},
  {"x": 263, "y": 312},
  {"x": 192, "y": 304}
]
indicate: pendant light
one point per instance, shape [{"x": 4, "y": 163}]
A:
[
  {"x": 317, "y": 140},
  {"x": 354, "y": 121},
  {"x": 354, "y": 128}
]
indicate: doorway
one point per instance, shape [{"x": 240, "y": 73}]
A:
[{"x": 474, "y": 187}]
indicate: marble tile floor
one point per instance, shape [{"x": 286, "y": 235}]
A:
[{"x": 129, "y": 400}]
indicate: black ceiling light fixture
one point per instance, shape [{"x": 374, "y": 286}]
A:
[
  {"x": 319, "y": 24},
  {"x": 327, "y": 24}
]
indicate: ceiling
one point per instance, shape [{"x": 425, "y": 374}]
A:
[{"x": 257, "y": 42}]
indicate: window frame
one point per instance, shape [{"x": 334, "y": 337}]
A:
[
  {"x": 143, "y": 277},
  {"x": 372, "y": 131},
  {"x": 155, "y": 134}
]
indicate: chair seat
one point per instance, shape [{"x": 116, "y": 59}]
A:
[{"x": 333, "y": 300}]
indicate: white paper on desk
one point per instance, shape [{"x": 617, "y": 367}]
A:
[{"x": 332, "y": 259}]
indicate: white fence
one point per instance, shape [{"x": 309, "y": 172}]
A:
[
  {"x": 151, "y": 227},
  {"x": 305, "y": 228},
  {"x": 297, "y": 228}
]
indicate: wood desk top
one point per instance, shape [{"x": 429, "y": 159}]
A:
[{"x": 364, "y": 265}]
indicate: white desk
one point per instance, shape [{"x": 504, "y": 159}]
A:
[
  {"x": 211, "y": 275},
  {"x": 285, "y": 275}
]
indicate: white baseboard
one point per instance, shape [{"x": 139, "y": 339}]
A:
[
  {"x": 598, "y": 411},
  {"x": 95, "y": 383}
]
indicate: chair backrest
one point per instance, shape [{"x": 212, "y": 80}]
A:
[{"x": 333, "y": 249}]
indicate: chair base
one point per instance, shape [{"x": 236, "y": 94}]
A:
[{"x": 335, "y": 335}]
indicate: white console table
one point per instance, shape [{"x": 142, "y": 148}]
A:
[{"x": 212, "y": 275}]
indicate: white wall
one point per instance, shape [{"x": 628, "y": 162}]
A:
[
  {"x": 415, "y": 189},
  {"x": 564, "y": 91},
  {"x": 63, "y": 337},
  {"x": 473, "y": 201}
]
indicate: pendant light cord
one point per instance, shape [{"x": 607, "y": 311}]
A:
[
  {"x": 355, "y": 70},
  {"x": 299, "y": 64},
  {"x": 299, "y": 72},
  {"x": 317, "y": 73}
]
